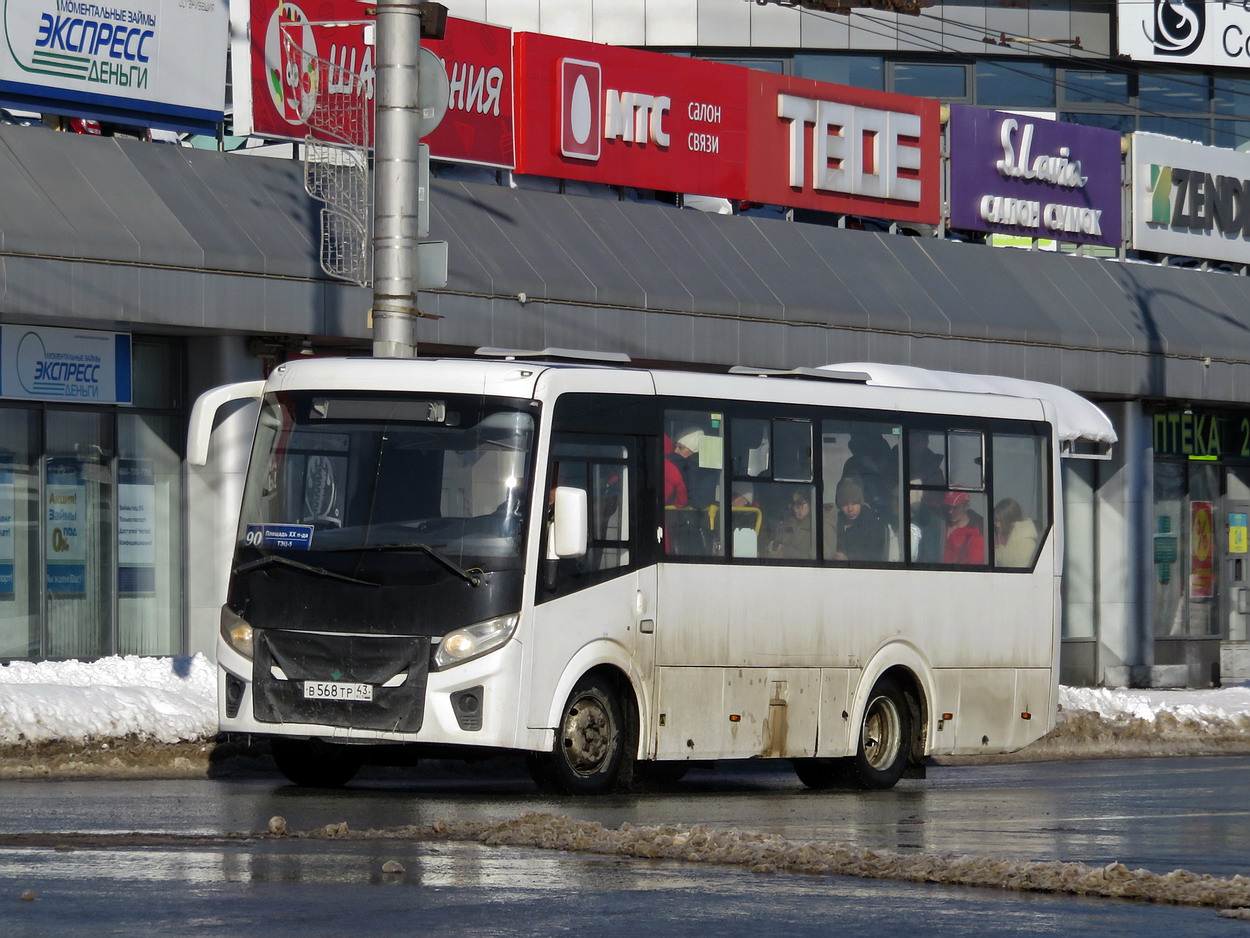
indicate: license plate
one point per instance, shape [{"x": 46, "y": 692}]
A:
[{"x": 337, "y": 690}]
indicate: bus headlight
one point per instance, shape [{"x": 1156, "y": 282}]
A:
[
  {"x": 236, "y": 631},
  {"x": 473, "y": 640}
]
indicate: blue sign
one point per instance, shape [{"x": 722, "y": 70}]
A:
[
  {"x": 279, "y": 536},
  {"x": 66, "y": 515},
  {"x": 65, "y": 365}
]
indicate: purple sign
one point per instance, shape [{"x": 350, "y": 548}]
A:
[{"x": 1019, "y": 175}]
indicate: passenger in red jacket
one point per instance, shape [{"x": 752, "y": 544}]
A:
[
  {"x": 674, "y": 483},
  {"x": 965, "y": 534}
]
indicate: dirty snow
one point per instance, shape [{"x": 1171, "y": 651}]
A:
[
  {"x": 772, "y": 853},
  {"x": 175, "y": 699}
]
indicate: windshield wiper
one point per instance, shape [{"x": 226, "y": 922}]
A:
[
  {"x": 298, "y": 565},
  {"x": 473, "y": 576}
]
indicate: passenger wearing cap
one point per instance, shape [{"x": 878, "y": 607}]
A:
[
  {"x": 861, "y": 533},
  {"x": 700, "y": 483},
  {"x": 965, "y": 531}
]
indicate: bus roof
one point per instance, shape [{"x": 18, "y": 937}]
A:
[{"x": 1075, "y": 417}]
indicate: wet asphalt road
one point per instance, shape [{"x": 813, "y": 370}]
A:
[{"x": 1159, "y": 814}]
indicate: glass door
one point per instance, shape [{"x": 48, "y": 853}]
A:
[
  {"x": 78, "y": 534},
  {"x": 20, "y": 585}
]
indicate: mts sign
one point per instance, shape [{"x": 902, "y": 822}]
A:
[
  {"x": 631, "y": 118},
  {"x": 619, "y": 116}
]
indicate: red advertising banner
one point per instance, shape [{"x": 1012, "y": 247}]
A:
[
  {"x": 286, "y": 86},
  {"x": 604, "y": 114},
  {"x": 1202, "y": 550},
  {"x": 625, "y": 117},
  {"x": 835, "y": 148}
]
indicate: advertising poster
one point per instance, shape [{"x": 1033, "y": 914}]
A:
[
  {"x": 141, "y": 61},
  {"x": 626, "y": 117},
  {"x": 66, "y": 525},
  {"x": 136, "y": 526},
  {"x": 1034, "y": 178},
  {"x": 1185, "y": 32},
  {"x": 599, "y": 113},
  {"x": 1202, "y": 550},
  {"x": 289, "y": 80},
  {"x": 64, "y": 365},
  {"x": 1189, "y": 199},
  {"x": 8, "y": 544}
]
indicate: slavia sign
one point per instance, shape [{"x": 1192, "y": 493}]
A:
[{"x": 1034, "y": 178}]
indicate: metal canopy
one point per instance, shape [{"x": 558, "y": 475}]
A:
[{"x": 150, "y": 237}]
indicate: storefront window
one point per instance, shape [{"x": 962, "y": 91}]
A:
[
  {"x": 948, "y": 82},
  {"x": 1204, "y": 570},
  {"x": 20, "y": 588},
  {"x": 91, "y": 520},
  {"x": 1187, "y": 529},
  {"x": 78, "y": 533},
  {"x": 1171, "y": 546},
  {"x": 149, "y": 535},
  {"x": 1015, "y": 84}
]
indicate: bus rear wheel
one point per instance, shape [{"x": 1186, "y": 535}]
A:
[
  {"x": 884, "y": 739},
  {"x": 314, "y": 764},
  {"x": 590, "y": 749}
]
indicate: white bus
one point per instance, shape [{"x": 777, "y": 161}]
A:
[{"x": 621, "y": 571}]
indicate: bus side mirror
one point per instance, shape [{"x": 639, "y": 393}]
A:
[
  {"x": 569, "y": 523},
  {"x": 200, "y": 429}
]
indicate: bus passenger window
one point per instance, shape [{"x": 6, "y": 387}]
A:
[
  {"x": 926, "y": 493},
  {"x": 965, "y": 529},
  {"x": 792, "y": 536},
  {"x": 862, "y": 474},
  {"x": 1020, "y": 510},
  {"x": 694, "y": 467}
]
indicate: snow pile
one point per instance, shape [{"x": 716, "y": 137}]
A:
[
  {"x": 1224, "y": 703},
  {"x": 771, "y": 853},
  {"x": 163, "y": 699},
  {"x": 1096, "y": 722}
]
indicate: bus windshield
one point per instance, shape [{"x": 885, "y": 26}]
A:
[{"x": 356, "y": 472}]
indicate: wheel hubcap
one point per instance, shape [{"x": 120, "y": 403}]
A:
[
  {"x": 587, "y": 735},
  {"x": 881, "y": 737}
]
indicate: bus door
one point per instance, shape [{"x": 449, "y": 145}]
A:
[{"x": 605, "y": 598}]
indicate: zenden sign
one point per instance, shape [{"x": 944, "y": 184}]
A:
[
  {"x": 64, "y": 365},
  {"x": 1190, "y": 199}
]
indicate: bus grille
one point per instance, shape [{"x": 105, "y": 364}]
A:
[{"x": 285, "y": 660}]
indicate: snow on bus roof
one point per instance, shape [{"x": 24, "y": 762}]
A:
[{"x": 1076, "y": 418}]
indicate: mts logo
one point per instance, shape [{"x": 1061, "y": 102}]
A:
[
  {"x": 589, "y": 113},
  {"x": 856, "y": 150}
]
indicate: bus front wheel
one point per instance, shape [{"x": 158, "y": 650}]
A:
[
  {"x": 315, "y": 764},
  {"x": 590, "y": 747},
  {"x": 884, "y": 739}
]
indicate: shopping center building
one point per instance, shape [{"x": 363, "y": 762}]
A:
[{"x": 169, "y": 270}]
